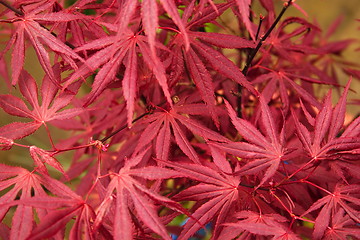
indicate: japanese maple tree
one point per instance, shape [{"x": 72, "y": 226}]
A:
[{"x": 161, "y": 120}]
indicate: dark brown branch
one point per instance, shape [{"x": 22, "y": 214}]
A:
[
  {"x": 257, "y": 48},
  {"x": 125, "y": 126},
  {"x": 9, "y": 6},
  {"x": 263, "y": 38},
  {"x": 259, "y": 27}
]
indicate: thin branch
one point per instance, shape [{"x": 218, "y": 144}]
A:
[
  {"x": 259, "y": 27},
  {"x": 124, "y": 126},
  {"x": 257, "y": 48},
  {"x": 9, "y": 6},
  {"x": 263, "y": 38}
]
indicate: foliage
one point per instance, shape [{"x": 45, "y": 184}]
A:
[{"x": 173, "y": 128}]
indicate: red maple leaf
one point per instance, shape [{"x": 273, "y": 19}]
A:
[
  {"x": 219, "y": 190},
  {"x": 164, "y": 126},
  {"x": 340, "y": 199},
  {"x": 32, "y": 195},
  {"x": 251, "y": 224},
  {"x": 42, "y": 113},
  {"x": 28, "y": 26},
  {"x": 260, "y": 152},
  {"x": 132, "y": 197},
  {"x": 325, "y": 146}
]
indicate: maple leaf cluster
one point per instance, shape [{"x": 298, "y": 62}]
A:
[{"x": 164, "y": 121}]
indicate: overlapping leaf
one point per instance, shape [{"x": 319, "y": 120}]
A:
[
  {"x": 149, "y": 54},
  {"x": 200, "y": 54},
  {"x": 115, "y": 51},
  {"x": 325, "y": 143},
  {"x": 160, "y": 128},
  {"x": 30, "y": 187},
  {"x": 252, "y": 224},
  {"x": 132, "y": 196},
  {"x": 342, "y": 226},
  {"x": 28, "y": 26},
  {"x": 219, "y": 190},
  {"x": 261, "y": 152},
  {"x": 343, "y": 197}
]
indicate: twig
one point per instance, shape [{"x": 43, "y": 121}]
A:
[
  {"x": 124, "y": 126},
  {"x": 259, "y": 27},
  {"x": 15, "y": 10},
  {"x": 263, "y": 38},
  {"x": 257, "y": 48},
  {"x": 148, "y": 112}
]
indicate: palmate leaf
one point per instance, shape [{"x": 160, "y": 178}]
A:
[
  {"x": 281, "y": 81},
  {"x": 41, "y": 113},
  {"x": 199, "y": 55},
  {"x": 216, "y": 59},
  {"x": 342, "y": 226},
  {"x": 147, "y": 56},
  {"x": 114, "y": 52},
  {"x": 217, "y": 192},
  {"x": 132, "y": 195},
  {"x": 117, "y": 50},
  {"x": 111, "y": 57},
  {"x": 251, "y": 224},
  {"x": 340, "y": 199},
  {"x": 261, "y": 152},
  {"x": 55, "y": 221},
  {"x": 61, "y": 210},
  {"x": 325, "y": 145},
  {"x": 28, "y": 26},
  {"x": 30, "y": 187},
  {"x": 162, "y": 124},
  {"x": 284, "y": 76},
  {"x": 220, "y": 190}
]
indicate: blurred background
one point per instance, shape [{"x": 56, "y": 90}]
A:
[{"x": 325, "y": 12}]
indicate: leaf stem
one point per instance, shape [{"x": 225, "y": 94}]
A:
[
  {"x": 49, "y": 135},
  {"x": 282, "y": 204},
  {"x": 254, "y": 187},
  {"x": 297, "y": 171},
  {"x": 321, "y": 188}
]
